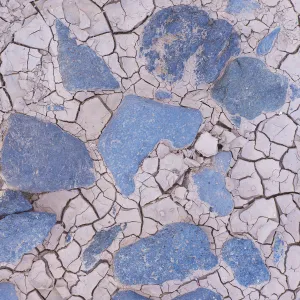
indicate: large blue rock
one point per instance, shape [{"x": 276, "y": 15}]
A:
[
  {"x": 248, "y": 88},
  {"x": 40, "y": 157},
  {"x": 245, "y": 261},
  {"x": 236, "y": 7},
  {"x": 7, "y": 291},
  {"x": 128, "y": 295},
  {"x": 20, "y": 233},
  {"x": 79, "y": 66},
  {"x": 13, "y": 202},
  {"x": 266, "y": 44},
  {"x": 102, "y": 240},
  {"x": 173, "y": 253},
  {"x": 176, "y": 33},
  {"x": 211, "y": 185},
  {"x": 137, "y": 126}
]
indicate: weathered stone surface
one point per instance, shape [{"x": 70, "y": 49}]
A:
[
  {"x": 241, "y": 6},
  {"x": 20, "y": 233},
  {"x": 80, "y": 67},
  {"x": 128, "y": 295},
  {"x": 13, "y": 202},
  {"x": 102, "y": 240},
  {"x": 200, "y": 294},
  {"x": 138, "y": 125},
  {"x": 175, "y": 34},
  {"x": 248, "y": 88},
  {"x": 40, "y": 157},
  {"x": 173, "y": 253},
  {"x": 266, "y": 44},
  {"x": 207, "y": 145},
  {"x": 245, "y": 261},
  {"x": 211, "y": 185},
  {"x": 7, "y": 291}
]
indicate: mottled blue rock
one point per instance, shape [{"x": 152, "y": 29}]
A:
[
  {"x": 295, "y": 92},
  {"x": 173, "y": 253},
  {"x": 241, "y": 6},
  {"x": 200, "y": 294},
  {"x": 211, "y": 185},
  {"x": 40, "y": 157},
  {"x": 248, "y": 88},
  {"x": 102, "y": 240},
  {"x": 162, "y": 95},
  {"x": 79, "y": 66},
  {"x": 20, "y": 233},
  {"x": 13, "y": 202},
  {"x": 7, "y": 291},
  {"x": 137, "y": 126},
  {"x": 266, "y": 44},
  {"x": 245, "y": 261},
  {"x": 128, "y": 295},
  {"x": 278, "y": 249},
  {"x": 175, "y": 34}
]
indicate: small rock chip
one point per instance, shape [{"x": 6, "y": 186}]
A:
[
  {"x": 207, "y": 145},
  {"x": 266, "y": 44}
]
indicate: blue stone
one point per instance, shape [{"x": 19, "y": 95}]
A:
[
  {"x": 40, "y": 157},
  {"x": 127, "y": 295},
  {"x": 245, "y": 261},
  {"x": 278, "y": 249},
  {"x": 79, "y": 66},
  {"x": 7, "y": 291},
  {"x": 295, "y": 92},
  {"x": 55, "y": 108},
  {"x": 13, "y": 202},
  {"x": 241, "y": 6},
  {"x": 200, "y": 294},
  {"x": 266, "y": 44},
  {"x": 175, "y": 34},
  {"x": 171, "y": 254},
  {"x": 162, "y": 95},
  {"x": 211, "y": 185},
  {"x": 134, "y": 130},
  {"x": 248, "y": 88},
  {"x": 20, "y": 233},
  {"x": 102, "y": 240}
]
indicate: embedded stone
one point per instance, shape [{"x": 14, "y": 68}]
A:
[
  {"x": 13, "y": 202},
  {"x": 20, "y": 233},
  {"x": 176, "y": 34},
  {"x": 248, "y": 88},
  {"x": 128, "y": 295},
  {"x": 235, "y": 7},
  {"x": 266, "y": 44},
  {"x": 207, "y": 145},
  {"x": 134, "y": 130},
  {"x": 245, "y": 261},
  {"x": 171, "y": 254},
  {"x": 39, "y": 157},
  {"x": 200, "y": 294},
  {"x": 7, "y": 291},
  {"x": 102, "y": 240},
  {"x": 80, "y": 67}
]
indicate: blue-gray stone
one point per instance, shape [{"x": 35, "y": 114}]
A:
[
  {"x": 13, "y": 202},
  {"x": 245, "y": 261},
  {"x": 128, "y": 295},
  {"x": 20, "y": 233},
  {"x": 134, "y": 130},
  {"x": 171, "y": 254},
  {"x": 162, "y": 95},
  {"x": 248, "y": 88},
  {"x": 211, "y": 185},
  {"x": 7, "y": 291},
  {"x": 278, "y": 249},
  {"x": 40, "y": 157},
  {"x": 295, "y": 92},
  {"x": 79, "y": 66},
  {"x": 102, "y": 240},
  {"x": 266, "y": 44},
  {"x": 241, "y": 6},
  {"x": 183, "y": 31}
]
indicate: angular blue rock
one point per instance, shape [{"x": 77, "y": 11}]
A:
[
  {"x": 13, "y": 202},
  {"x": 20, "y": 233},
  {"x": 162, "y": 95},
  {"x": 137, "y": 126},
  {"x": 40, "y": 157},
  {"x": 245, "y": 261},
  {"x": 79, "y": 66},
  {"x": 102, "y": 240},
  {"x": 176, "y": 33},
  {"x": 278, "y": 249},
  {"x": 173, "y": 253},
  {"x": 128, "y": 295},
  {"x": 211, "y": 185},
  {"x": 248, "y": 88},
  {"x": 295, "y": 92},
  {"x": 7, "y": 291},
  {"x": 236, "y": 7},
  {"x": 266, "y": 44}
]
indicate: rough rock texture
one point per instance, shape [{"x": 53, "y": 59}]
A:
[
  {"x": 173, "y": 253},
  {"x": 40, "y": 157}
]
